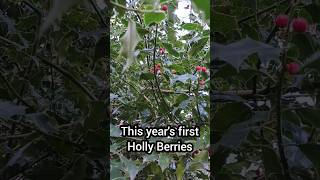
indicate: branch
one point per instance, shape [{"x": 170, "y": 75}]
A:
[
  {"x": 69, "y": 76},
  {"x": 135, "y": 10},
  {"x": 282, "y": 154},
  {"x": 11, "y": 88},
  {"x": 56, "y": 67},
  {"x": 16, "y": 136},
  {"x": 13, "y": 177},
  {"x": 36, "y": 10},
  {"x": 271, "y": 7},
  {"x": 155, "y": 74},
  {"x": 99, "y": 14}
]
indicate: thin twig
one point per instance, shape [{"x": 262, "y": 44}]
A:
[
  {"x": 99, "y": 14},
  {"x": 282, "y": 154},
  {"x": 58, "y": 68},
  {"x": 135, "y": 10},
  {"x": 13, "y": 177},
  {"x": 271, "y": 7},
  {"x": 17, "y": 136},
  {"x": 69, "y": 76},
  {"x": 155, "y": 74},
  {"x": 11, "y": 88},
  {"x": 36, "y": 10}
]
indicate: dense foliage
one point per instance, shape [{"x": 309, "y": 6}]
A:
[
  {"x": 160, "y": 77},
  {"x": 265, "y": 82},
  {"x": 53, "y": 89}
]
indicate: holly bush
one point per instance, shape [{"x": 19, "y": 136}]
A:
[
  {"x": 53, "y": 89},
  {"x": 160, "y": 77},
  {"x": 265, "y": 89}
]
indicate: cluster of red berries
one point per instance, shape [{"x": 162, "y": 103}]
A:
[
  {"x": 201, "y": 68},
  {"x": 299, "y": 25}
]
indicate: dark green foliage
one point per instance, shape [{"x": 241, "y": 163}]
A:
[{"x": 53, "y": 83}]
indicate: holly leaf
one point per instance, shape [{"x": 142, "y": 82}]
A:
[
  {"x": 313, "y": 62},
  {"x": 312, "y": 152},
  {"x": 130, "y": 167},
  {"x": 129, "y": 41},
  {"x": 224, "y": 119},
  {"x": 313, "y": 9},
  {"x": 223, "y": 22},
  {"x": 235, "y": 53},
  {"x": 198, "y": 46},
  {"x": 164, "y": 161},
  {"x": 114, "y": 131},
  {"x": 8, "y": 109},
  {"x": 43, "y": 123},
  {"x": 170, "y": 49},
  {"x": 203, "y": 6},
  {"x": 153, "y": 17},
  {"x": 191, "y": 26},
  {"x": 271, "y": 162},
  {"x": 180, "y": 169},
  {"x": 309, "y": 116},
  {"x": 183, "y": 78}
]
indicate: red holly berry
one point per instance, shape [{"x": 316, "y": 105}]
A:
[
  {"x": 204, "y": 69},
  {"x": 198, "y": 68},
  {"x": 164, "y": 7},
  {"x": 156, "y": 69},
  {"x": 293, "y": 68},
  {"x": 282, "y": 21},
  {"x": 162, "y": 50},
  {"x": 300, "y": 25}
]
